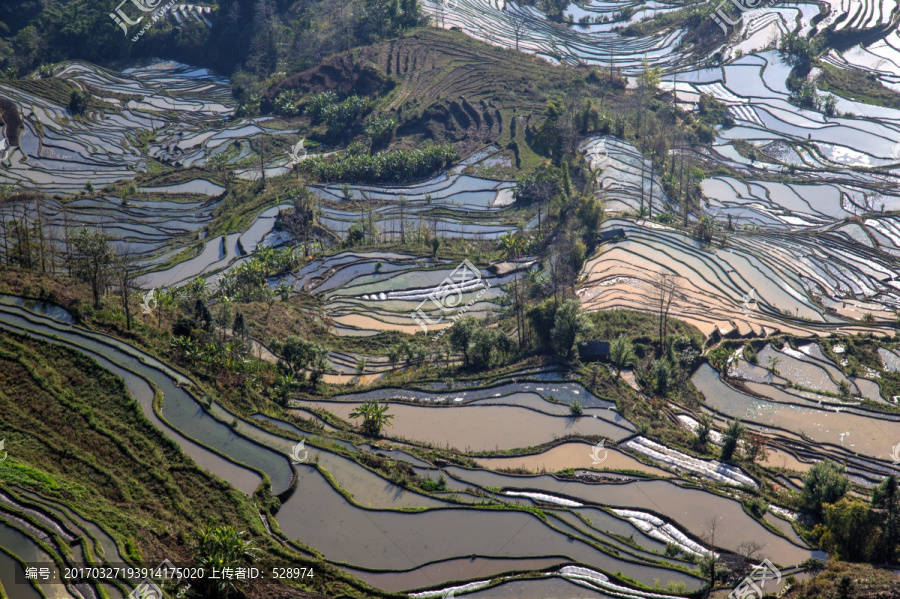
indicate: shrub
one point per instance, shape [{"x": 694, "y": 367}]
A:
[{"x": 401, "y": 166}]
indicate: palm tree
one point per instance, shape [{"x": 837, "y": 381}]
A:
[
  {"x": 620, "y": 354},
  {"x": 774, "y": 361},
  {"x": 284, "y": 290},
  {"x": 374, "y": 416},
  {"x": 705, "y": 227},
  {"x": 216, "y": 548},
  {"x": 181, "y": 345},
  {"x": 514, "y": 246},
  {"x": 285, "y": 383}
]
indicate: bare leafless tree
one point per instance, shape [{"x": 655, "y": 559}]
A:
[
  {"x": 518, "y": 23},
  {"x": 666, "y": 288},
  {"x": 125, "y": 273},
  {"x": 711, "y": 566},
  {"x": 750, "y": 549}
]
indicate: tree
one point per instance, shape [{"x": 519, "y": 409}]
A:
[
  {"x": 215, "y": 547},
  {"x": 710, "y": 565},
  {"x": 518, "y": 23},
  {"x": 514, "y": 246},
  {"x": 264, "y": 146},
  {"x": 705, "y": 228},
  {"x": 568, "y": 324},
  {"x": 621, "y": 354},
  {"x": 703, "y": 428},
  {"x": 731, "y": 437},
  {"x": 849, "y": 531},
  {"x": 885, "y": 497},
  {"x": 666, "y": 289},
  {"x": 92, "y": 260},
  {"x": 298, "y": 355},
  {"x": 662, "y": 375},
  {"x": 461, "y": 334},
  {"x": 78, "y": 101},
  {"x": 755, "y": 447},
  {"x": 374, "y": 415},
  {"x": 125, "y": 271},
  {"x": 824, "y": 483}
]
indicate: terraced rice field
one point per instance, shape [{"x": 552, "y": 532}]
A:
[
  {"x": 443, "y": 541},
  {"x": 809, "y": 256}
]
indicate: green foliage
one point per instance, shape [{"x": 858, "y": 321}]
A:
[
  {"x": 374, "y": 415},
  {"x": 218, "y": 547},
  {"x": 713, "y": 112},
  {"x": 621, "y": 354},
  {"x": 319, "y": 103},
  {"x": 92, "y": 260},
  {"x": 401, "y": 166},
  {"x": 380, "y": 129},
  {"x": 77, "y": 102},
  {"x": 575, "y": 409},
  {"x": 829, "y": 104},
  {"x": 849, "y": 531},
  {"x": 825, "y": 482},
  {"x": 461, "y": 334},
  {"x": 539, "y": 186},
  {"x": 662, "y": 376},
  {"x": 568, "y": 324},
  {"x": 479, "y": 346},
  {"x": 434, "y": 485},
  {"x": 799, "y": 51},
  {"x": 557, "y": 134},
  {"x": 299, "y": 354},
  {"x": 732, "y": 435},
  {"x": 590, "y": 213},
  {"x": 704, "y": 427}
]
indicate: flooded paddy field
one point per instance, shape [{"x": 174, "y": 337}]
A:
[
  {"x": 184, "y": 109},
  {"x": 399, "y": 535},
  {"x": 805, "y": 244}
]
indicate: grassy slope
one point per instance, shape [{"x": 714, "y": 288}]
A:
[
  {"x": 868, "y": 583},
  {"x": 117, "y": 470},
  {"x": 858, "y": 86},
  {"x": 448, "y": 87}
]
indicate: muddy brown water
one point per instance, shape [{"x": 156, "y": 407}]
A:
[
  {"x": 866, "y": 435},
  {"x": 464, "y": 568},
  {"x": 319, "y": 516},
  {"x": 691, "y": 509},
  {"x": 571, "y": 455},
  {"x": 479, "y": 428}
]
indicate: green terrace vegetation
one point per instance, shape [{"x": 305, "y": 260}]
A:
[
  {"x": 388, "y": 167},
  {"x": 119, "y": 471}
]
